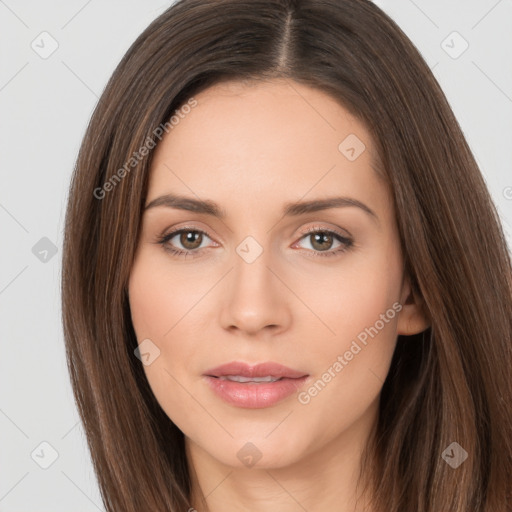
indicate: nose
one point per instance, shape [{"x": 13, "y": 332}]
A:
[{"x": 255, "y": 298}]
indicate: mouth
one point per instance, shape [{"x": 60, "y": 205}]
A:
[
  {"x": 269, "y": 370},
  {"x": 254, "y": 387}
]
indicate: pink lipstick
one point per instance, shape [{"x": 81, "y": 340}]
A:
[{"x": 254, "y": 387}]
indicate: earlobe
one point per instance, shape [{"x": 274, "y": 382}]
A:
[{"x": 412, "y": 318}]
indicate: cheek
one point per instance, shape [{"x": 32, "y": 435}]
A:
[
  {"x": 360, "y": 307},
  {"x": 160, "y": 295},
  {"x": 159, "y": 302},
  {"x": 150, "y": 300},
  {"x": 353, "y": 297},
  {"x": 169, "y": 306}
]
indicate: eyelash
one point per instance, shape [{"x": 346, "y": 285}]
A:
[{"x": 347, "y": 243}]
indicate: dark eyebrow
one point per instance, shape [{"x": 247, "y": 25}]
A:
[
  {"x": 290, "y": 209},
  {"x": 188, "y": 203},
  {"x": 302, "y": 207}
]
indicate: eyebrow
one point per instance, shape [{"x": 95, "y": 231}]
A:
[{"x": 291, "y": 209}]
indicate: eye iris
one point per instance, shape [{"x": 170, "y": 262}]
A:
[
  {"x": 192, "y": 237},
  {"x": 321, "y": 236}
]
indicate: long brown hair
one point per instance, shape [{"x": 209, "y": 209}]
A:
[{"x": 450, "y": 383}]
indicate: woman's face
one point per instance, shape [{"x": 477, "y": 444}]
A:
[{"x": 256, "y": 287}]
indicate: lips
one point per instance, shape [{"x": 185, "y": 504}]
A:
[
  {"x": 254, "y": 387},
  {"x": 240, "y": 369}
]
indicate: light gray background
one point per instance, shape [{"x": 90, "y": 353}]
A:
[{"x": 45, "y": 105}]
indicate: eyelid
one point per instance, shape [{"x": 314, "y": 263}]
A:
[
  {"x": 176, "y": 231},
  {"x": 317, "y": 228}
]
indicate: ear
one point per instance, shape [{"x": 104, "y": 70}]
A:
[{"x": 412, "y": 318}]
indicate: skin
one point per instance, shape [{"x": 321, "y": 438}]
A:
[{"x": 251, "y": 147}]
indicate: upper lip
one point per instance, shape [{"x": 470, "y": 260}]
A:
[{"x": 258, "y": 370}]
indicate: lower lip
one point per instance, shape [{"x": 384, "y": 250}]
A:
[{"x": 254, "y": 395}]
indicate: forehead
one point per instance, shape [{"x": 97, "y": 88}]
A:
[{"x": 277, "y": 140}]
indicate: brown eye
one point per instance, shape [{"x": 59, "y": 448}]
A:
[
  {"x": 185, "y": 241},
  {"x": 321, "y": 241},
  {"x": 191, "y": 240}
]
